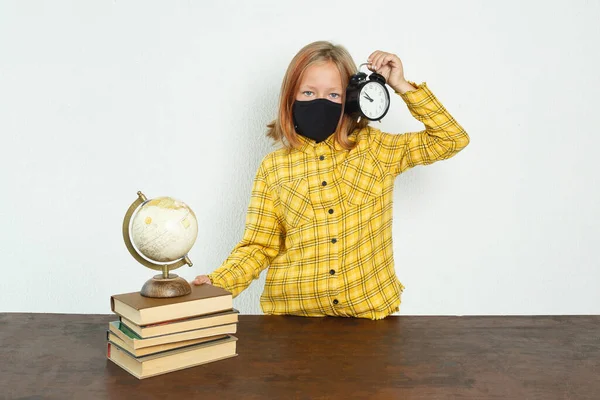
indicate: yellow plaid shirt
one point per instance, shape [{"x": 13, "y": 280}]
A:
[{"x": 320, "y": 218}]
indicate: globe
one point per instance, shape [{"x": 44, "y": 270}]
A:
[
  {"x": 164, "y": 229},
  {"x": 159, "y": 233}
]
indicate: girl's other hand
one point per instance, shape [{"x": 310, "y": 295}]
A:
[{"x": 200, "y": 279}]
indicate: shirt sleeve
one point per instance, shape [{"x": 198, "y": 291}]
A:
[
  {"x": 259, "y": 245},
  {"x": 442, "y": 137}
]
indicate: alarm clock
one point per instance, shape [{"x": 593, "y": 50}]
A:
[{"x": 367, "y": 98}]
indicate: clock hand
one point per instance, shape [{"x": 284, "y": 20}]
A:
[{"x": 366, "y": 96}]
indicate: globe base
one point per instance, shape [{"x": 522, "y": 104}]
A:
[{"x": 173, "y": 286}]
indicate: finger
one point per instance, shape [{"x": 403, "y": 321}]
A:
[
  {"x": 393, "y": 60},
  {"x": 372, "y": 59},
  {"x": 372, "y": 56},
  {"x": 378, "y": 59},
  {"x": 385, "y": 62}
]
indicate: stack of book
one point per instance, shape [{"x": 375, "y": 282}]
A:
[{"x": 154, "y": 336}]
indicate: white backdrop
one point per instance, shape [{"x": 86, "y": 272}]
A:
[{"x": 101, "y": 99}]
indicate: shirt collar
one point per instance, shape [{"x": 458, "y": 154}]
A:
[{"x": 309, "y": 145}]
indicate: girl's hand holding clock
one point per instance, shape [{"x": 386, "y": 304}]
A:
[{"x": 390, "y": 67}]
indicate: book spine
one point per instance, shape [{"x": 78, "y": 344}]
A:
[{"x": 108, "y": 350}]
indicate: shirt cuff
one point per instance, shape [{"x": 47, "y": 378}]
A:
[
  {"x": 415, "y": 96},
  {"x": 214, "y": 280}
]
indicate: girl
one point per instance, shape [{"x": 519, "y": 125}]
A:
[{"x": 320, "y": 212}]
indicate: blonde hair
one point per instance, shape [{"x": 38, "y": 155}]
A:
[{"x": 282, "y": 129}]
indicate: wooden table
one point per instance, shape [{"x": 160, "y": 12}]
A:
[{"x": 62, "y": 356}]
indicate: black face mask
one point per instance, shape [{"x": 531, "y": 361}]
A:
[{"x": 316, "y": 119}]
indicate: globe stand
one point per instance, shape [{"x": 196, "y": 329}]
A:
[
  {"x": 172, "y": 286},
  {"x": 162, "y": 285}
]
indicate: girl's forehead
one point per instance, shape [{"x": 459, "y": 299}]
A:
[{"x": 325, "y": 75}]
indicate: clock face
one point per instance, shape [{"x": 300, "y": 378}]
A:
[{"x": 374, "y": 100}]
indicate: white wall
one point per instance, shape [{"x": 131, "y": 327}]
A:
[{"x": 101, "y": 99}]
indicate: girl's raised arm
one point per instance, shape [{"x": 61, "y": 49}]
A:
[{"x": 442, "y": 137}]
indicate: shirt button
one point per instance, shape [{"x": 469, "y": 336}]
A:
[
  {"x": 333, "y": 240},
  {"x": 332, "y": 271},
  {"x": 335, "y": 301},
  {"x": 324, "y": 183},
  {"x": 322, "y": 158},
  {"x": 331, "y": 211}
]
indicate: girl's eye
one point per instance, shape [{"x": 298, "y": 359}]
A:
[
  {"x": 335, "y": 95},
  {"x": 307, "y": 93}
]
